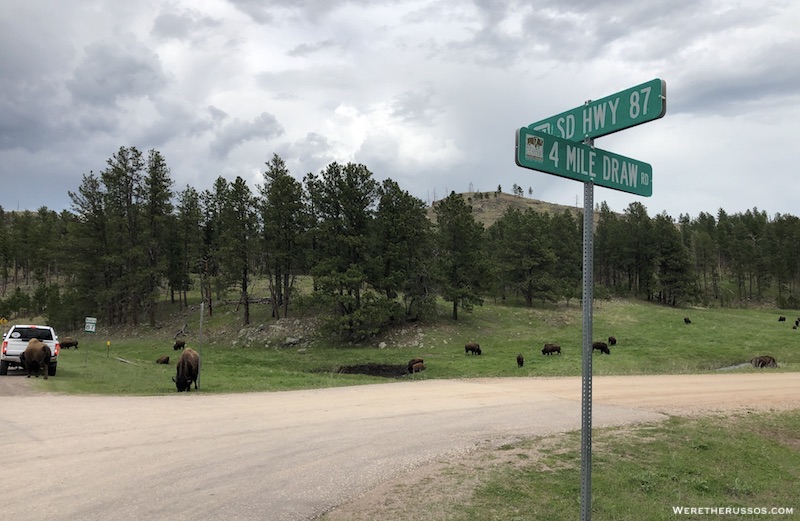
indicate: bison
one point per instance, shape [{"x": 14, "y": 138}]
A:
[
  {"x": 612, "y": 341},
  {"x": 36, "y": 357},
  {"x": 179, "y": 344},
  {"x": 68, "y": 342},
  {"x": 763, "y": 361},
  {"x": 162, "y": 360},
  {"x": 602, "y": 347},
  {"x": 520, "y": 360},
  {"x": 550, "y": 349},
  {"x": 413, "y": 362},
  {"x": 781, "y": 319},
  {"x": 473, "y": 349},
  {"x": 416, "y": 368},
  {"x": 188, "y": 368},
  {"x": 686, "y": 320}
]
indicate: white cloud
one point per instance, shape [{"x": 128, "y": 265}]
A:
[{"x": 427, "y": 93}]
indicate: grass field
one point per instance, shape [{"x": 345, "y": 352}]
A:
[
  {"x": 749, "y": 461},
  {"x": 651, "y": 339}
]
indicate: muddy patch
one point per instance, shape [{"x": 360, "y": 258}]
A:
[{"x": 381, "y": 370}]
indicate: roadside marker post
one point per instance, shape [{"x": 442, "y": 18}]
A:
[
  {"x": 90, "y": 326},
  {"x": 563, "y": 145}
]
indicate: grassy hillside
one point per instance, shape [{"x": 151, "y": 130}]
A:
[
  {"x": 291, "y": 354},
  {"x": 489, "y": 208}
]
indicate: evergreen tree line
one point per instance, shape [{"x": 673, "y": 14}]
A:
[{"x": 131, "y": 240}]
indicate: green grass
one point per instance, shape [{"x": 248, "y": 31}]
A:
[
  {"x": 641, "y": 473},
  {"x": 652, "y": 339}
]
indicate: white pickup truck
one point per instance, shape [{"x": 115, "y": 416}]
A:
[{"x": 16, "y": 340}]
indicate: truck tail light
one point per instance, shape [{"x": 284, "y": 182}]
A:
[
  {"x": 57, "y": 349},
  {"x": 5, "y": 346}
]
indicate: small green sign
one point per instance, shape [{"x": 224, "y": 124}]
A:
[
  {"x": 619, "y": 111},
  {"x": 90, "y": 325},
  {"x": 565, "y": 158}
]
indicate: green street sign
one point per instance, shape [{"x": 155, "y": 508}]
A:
[
  {"x": 565, "y": 158},
  {"x": 619, "y": 111}
]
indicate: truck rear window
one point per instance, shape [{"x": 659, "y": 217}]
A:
[{"x": 27, "y": 333}]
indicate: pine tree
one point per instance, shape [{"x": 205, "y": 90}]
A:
[
  {"x": 285, "y": 219},
  {"x": 458, "y": 251}
]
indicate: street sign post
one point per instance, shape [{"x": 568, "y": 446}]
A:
[
  {"x": 565, "y": 158},
  {"x": 563, "y": 145},
  {"x": 619, "y": 111}
]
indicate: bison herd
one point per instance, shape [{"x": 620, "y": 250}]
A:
[
  {"x": 796, "y": 321},
  {"x": 36, "y": 357}
]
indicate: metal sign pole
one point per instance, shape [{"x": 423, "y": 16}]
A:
[{"x": 586, "y": 383}]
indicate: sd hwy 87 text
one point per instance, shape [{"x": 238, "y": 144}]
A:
[
  {"x": 564, "y": 158},
  {"x": 619, "y": 111}
]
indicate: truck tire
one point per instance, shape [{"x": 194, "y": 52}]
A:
[
  {"x": 51, "y": 369},
  {"x": 3, "y": 367}
]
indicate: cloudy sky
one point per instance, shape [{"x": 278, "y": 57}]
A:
[{"x": 426, "y": 92}]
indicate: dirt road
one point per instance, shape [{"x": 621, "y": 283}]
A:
[{"x": 295, "y": 455}]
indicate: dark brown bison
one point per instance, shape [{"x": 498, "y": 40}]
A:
[
  {"x": 36, "y": 358},
  {"x": 520, "y": 360},
  {"x": 188, "y": 368},
  {"x": 162, "y": 360},
  {"x": 781, "y": 319},
  {"x": 179, "y": 344},
  {"x": 68, "y": 342},
  {"x": 416, "y": 368},
  {"x": 602, "y": 347},
  {"x": 763, "y": 361},
  {"x": 412, "y": 362},
  {"x": 612, "y": 341},
  {"x": 686, "y": 320},
  {"x": 473, "y": 349},
  {"x": 550, "y": 349}
]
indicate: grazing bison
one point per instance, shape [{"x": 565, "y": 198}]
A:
[
  {"x": 68, "y": 342},
  {"x": 179, "y": 344},
  {"x": 520, "y": 360},
  {"x": 781, "y": 319},
  {"x": 686, "y": 320},
  {"x": 36, "y": 357},
  {"x": 763, "y": 361},
  {"x": 612, "y": 341},
  {"x": 602, "y": 347},
  {"x": 550, "y": 349},
  {"x": 412, "y": 362},
  {"x": 188, "y": 368},
  {"x": 416, "y": 368},
  {"x": 162, "y": 360},
  {"x": 474, "y": 349}
]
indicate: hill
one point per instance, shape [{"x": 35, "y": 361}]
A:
[{"x": 488, "y": 207}]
